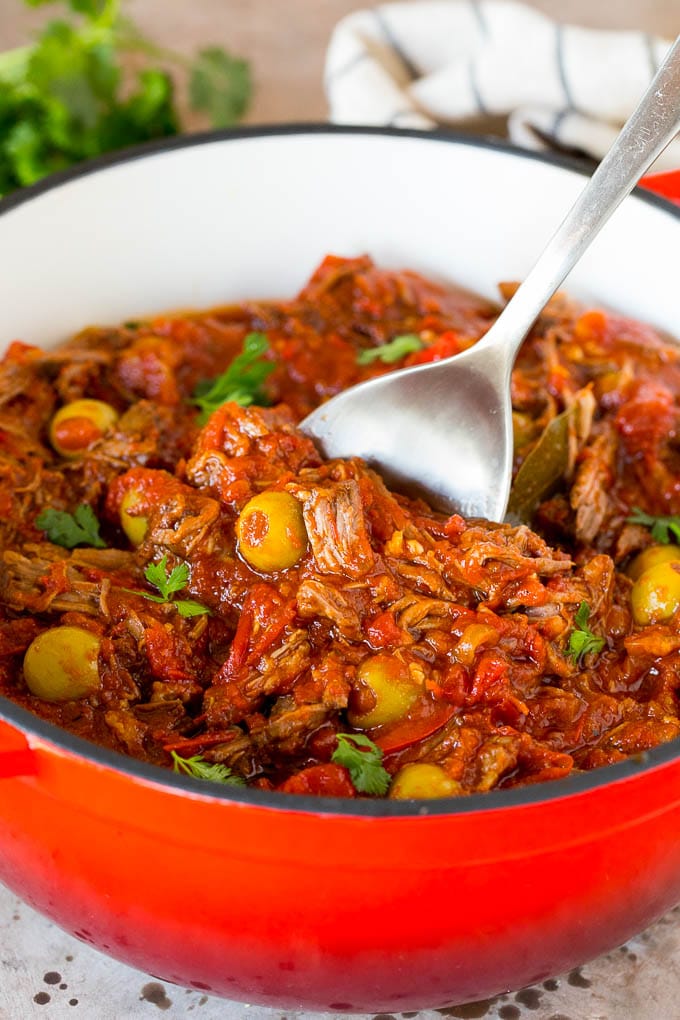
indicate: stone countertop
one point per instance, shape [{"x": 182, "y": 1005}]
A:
[{"x": 45, "y": 973}]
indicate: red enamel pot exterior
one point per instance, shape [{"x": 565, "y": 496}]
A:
[
  {"x": 296, "y": 901},
  {"x": 281, "y": 904},
  {"x": 667, "y": 185}
]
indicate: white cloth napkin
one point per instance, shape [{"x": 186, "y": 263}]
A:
[{"x": 433, "y": 62}]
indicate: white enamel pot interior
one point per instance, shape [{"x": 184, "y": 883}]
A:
[{"x": 216, "y": 219}]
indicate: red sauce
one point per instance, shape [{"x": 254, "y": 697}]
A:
[{"x": 259, "y": 678}]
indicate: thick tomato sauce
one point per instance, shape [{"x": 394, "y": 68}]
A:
[{"x": 444, "y": 642}]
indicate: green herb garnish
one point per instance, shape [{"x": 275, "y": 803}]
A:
[
  {"x": 199, "y": 768},
  {"x": 395, "y": 350},
  {"x": 241, "y": 382},
  {"x": 70, "y": 530},
  {"x": 663, "y": 529},
  {"x": 67, "y": 97},
  {"x": 363, "y": 759},
  {"x": 582, "y": 641},
  {"x": 168, "y": 584},
  {"x": 220, "y": 86}
]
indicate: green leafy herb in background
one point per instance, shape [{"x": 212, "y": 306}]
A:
[
  {"x": 70, "y": 530},
  {"x": 395, "y": 350},
  {"x": 663, "y": 529},
  {"x": 242, "y": 381},
  {"x": 199, "y": 768},
  {"x": 67, "y": 98},
  {"x": 582, "y": 641},
  {"x": 220, "y": 86},
  {"x": 363, "y": 759}
]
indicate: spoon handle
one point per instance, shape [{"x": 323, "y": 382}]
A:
[{"x": 646, "y": 133}]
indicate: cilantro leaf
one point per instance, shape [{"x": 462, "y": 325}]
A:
[
  {"x": 363, "y": 759},
  {"x": 24, "y": 150},
  {"x": 70, "y": 530},
  {"x": 199, "y": 768},
  {"x": 582, "y": 641},
  {"x": 663, "y": 529},
  {"x": 395, "y": 350},
  {"x": 60, "y": 68},
  {"x": 90, "y": 8},
  {"x": 241, "y": 382},
  {"x": 188, "y": 608},
  {"x": 220, "y": 86},
  {"x": 148, "y": 113},
  {"x": 167, "y": 583}
]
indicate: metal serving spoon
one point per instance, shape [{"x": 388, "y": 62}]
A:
[{"x": 444, "y": 430}]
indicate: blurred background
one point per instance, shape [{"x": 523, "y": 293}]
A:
[{"x": 285, "y": 42}]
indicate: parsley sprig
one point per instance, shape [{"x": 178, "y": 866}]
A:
[
  {"x": 241, "y": 382},
  {"x": 168, "y": 583},
  {"x": 199, "y": 768},
  {"x": 395, "y": 350},
  {"x": 67, "y": 97},
  {"x": 582, "y": 641},
  {"x": 363, "y": 759},
  {"x": 69, "y": 530},
  {"x": 663, "y": 529}
]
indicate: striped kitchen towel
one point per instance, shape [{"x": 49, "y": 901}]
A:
[{"x": 444, "y": 62}]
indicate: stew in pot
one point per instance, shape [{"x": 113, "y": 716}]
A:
[{"x": 184, "y": 578}]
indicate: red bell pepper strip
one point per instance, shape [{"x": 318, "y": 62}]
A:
[{"x": 423, "y": 720}]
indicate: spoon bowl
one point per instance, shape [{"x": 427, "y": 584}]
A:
[{"x": 443, "y": 431}]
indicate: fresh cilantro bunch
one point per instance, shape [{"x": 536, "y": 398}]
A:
[{"x": 66, "y": 98}]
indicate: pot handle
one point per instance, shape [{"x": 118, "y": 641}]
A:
[{"x": 16, "y": 757}]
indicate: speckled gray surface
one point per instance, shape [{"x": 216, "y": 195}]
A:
[{"x": 46, "y": 974}]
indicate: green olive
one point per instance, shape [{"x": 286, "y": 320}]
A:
[
  {"x": 655, "y": 596},
  {"x": 135, "y": 526},
  {"x": 650, "y": 557},
  {"x": 384, "y": 692},
  {"x": 61, "y": 664},
  {"x": 423, "y": 780},
  {"x": 271, "y": 531},
  {"x": 75, "y": 426}
]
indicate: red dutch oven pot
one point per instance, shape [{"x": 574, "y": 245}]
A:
[
  {"x": 334, "y": 905},
  {"x": 329, "y": 904},
  {"x": 667, "y": 185}
]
